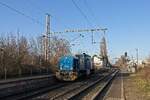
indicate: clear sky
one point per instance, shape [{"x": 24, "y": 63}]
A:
[{"x": 128, "y": 22}]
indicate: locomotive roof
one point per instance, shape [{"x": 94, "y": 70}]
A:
[
  {"x": 69, "y": 56},
  {"x": 83, "y": 54}
]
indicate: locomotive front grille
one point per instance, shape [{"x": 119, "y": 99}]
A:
[{"x": 67, "y": 76}]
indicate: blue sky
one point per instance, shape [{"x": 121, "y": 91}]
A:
[{"x": 128, "y": 22}]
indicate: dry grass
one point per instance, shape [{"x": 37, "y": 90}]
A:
[
  {"x": 137, "y": 86},
  {"x": 143, "y": 81}
]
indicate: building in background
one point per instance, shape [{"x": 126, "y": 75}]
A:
[{"x": 97, "y": 62}]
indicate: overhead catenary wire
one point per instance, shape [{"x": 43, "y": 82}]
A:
[
  {"x": 30, "y": 2},
  {"x": 34, "y": 5},
  {"x": 21, "y": 13},
  {"x": 90, "y": 10},
  {"x": 82, "y": 13},
  {"x": 80, "y": 35}
]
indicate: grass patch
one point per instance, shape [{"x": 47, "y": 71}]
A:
[
  {"x": 143, "y": 81},
  {"x": 143, "y": 85}
]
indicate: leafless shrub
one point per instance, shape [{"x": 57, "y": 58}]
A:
[{"x": 20, "y": 56}]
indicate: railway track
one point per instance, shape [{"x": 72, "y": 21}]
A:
[
  {"x": 10, "y": 89},
  {"x": 67, "y": 90},
  {"x": 81, "y": 89},
  {"x": 30, "y": 94},
  {"x": 96, "y": 89}
]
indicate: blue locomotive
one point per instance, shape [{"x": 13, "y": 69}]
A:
[{"x": 72, "y": 67}]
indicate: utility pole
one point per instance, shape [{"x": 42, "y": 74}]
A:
[
  {"x": 137, "y": 56},
  {"x": 46, "y": 39}
]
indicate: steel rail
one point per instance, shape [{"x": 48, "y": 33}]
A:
[{"x": 83, "y": 90}]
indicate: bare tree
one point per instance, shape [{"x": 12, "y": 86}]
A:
[
  {"x": 58, "y": 48},
  {"x": 19, "y": 55}
]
